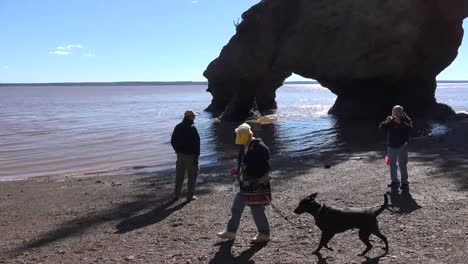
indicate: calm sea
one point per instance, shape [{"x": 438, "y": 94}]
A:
[{"x": 70, "y": 130}]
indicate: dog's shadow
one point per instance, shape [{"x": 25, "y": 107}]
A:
[
  {"x": 402, "y": 202},
  {"x": 374, "y": 260},
  {"x": 224, "y": 254},
  {"x": 321, "y": 259}
]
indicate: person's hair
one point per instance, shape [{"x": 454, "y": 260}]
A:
[
  {"x": 399, "y": 108},
  {"x": 189, "y": 113}
]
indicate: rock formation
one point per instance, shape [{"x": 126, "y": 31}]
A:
[{"x": 372, "y": 54}]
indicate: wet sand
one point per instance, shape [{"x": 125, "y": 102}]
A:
[{"x": 128, "y": 218}]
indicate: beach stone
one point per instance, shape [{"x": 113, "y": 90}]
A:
[{"x": 371, "y": 54}]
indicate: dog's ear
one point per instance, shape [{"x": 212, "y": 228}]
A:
[{"x": 312, "y": 196}]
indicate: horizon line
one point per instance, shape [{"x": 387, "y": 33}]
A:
[{"x": 105, "y": 83}]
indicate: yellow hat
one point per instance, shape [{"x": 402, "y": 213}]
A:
[{"x": 243, "y": 134}]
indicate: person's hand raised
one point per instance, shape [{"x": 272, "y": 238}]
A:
[{"x": 389, "y": 119}]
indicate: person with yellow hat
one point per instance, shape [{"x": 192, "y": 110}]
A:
[
  {"x": 254, "y": 182},
  {"x": 186, "y": 143}
]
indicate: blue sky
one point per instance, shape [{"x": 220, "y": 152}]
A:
[{"x": 124, "y": 40}]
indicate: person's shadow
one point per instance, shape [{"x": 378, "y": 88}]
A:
[
  {"x": 224, "y": 254},
  {"x": 402, "y": 202},
  {"x": 154, "y": 216}
]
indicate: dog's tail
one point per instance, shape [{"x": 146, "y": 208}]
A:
[{"x": 384, "y": 205}]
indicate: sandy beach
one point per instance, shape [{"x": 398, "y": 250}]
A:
[{"x": 129, "y": 219}]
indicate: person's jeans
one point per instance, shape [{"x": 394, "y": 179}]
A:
[
  {"x": 258, "y": 214},
  {"x": 189, "y": 164},
  {"x": 400, "y": 154}
]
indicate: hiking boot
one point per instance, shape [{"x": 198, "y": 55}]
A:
[
  {"x": 227, "y": 235},
  {"x": 260, "y": 239},
  {"x": 393, "y": 184}
]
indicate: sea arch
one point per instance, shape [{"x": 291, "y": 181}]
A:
[{"x": 371, "y": 54}]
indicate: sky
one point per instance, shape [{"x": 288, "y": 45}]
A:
[{"x": 125, "y": 40}]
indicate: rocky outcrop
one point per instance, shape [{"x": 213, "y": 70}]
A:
[{"x": 372, "y": 54}]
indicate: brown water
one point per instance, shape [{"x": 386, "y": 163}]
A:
[{"x": 70, "y": 130}]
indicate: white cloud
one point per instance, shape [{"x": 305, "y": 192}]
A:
[
  {"x": 91, "y": 55},
  {"x": 59, "y": 52},
  {"x": 194, "y": 1},
  {"x": 66, "y": 50},
  {"x": 70, "y": 47}
]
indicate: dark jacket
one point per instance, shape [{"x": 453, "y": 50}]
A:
[
  {"x": 398, "y": 134},
  {"x": 257, "y": 159},
  {"x": 185, "y": 138}
]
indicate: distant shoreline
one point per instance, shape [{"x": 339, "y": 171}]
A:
[
  {"x": 104, "y": 83},
  {"x": 126, "y": 83},
  {"x": 158, "y": 83}
]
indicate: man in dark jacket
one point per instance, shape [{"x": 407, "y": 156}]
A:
[
  {"x": 186, "y": 143},
  {"x": 397, "y": 127}
]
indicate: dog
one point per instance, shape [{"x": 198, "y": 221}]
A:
[{"x": 333, "y": 220}]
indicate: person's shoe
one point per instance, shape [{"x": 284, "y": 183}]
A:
[
  {"x": 175, "y": 197},
  {"x": 260, "y": 239},
  {"x": 393, "y": 184},
  {"x": 405, "y": 185},
  {"x": 227, "y": 235},
  {"x": 194, "y": 198}
]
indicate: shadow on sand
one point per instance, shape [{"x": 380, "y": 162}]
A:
[
  {"x": 126, "y": 212},
  {"x": 321, "y": 259},
  {"x": 373, "y": 260},
  {"x": 153, "y": 217},
  {"x": 402, "y": 202},
  {"x": 224, "y": 254}
]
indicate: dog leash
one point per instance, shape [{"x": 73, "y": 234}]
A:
[{"x": 282, "y": 215}]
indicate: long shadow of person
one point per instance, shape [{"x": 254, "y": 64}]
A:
[
  {"x": 154, "y": 216},
  {"x": 402, "y": 202},
  {"x": 224, "y": 254}
]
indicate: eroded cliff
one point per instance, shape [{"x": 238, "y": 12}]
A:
[{"x": 372, "y": 54}]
